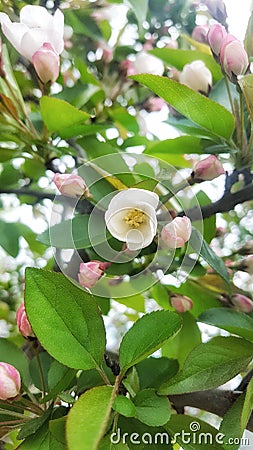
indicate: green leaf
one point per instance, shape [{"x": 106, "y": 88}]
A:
[
  {"x": 183, "y": 426},
  {"x": 60, "y": 377},
  {"x": 9, "y": 237},
  {"x": 65, "y": 319},
  {"x": 181, "y": 345},
  {"x": 124, "y": 406},
  {"x": 57, "y": 428},
  {"x": 138, "y": 435},
  {"x": 87, "y": 420},
  {"x": 231, "y": 424},
  {"x": 42, "y": 440},
  {"x": 179, "y": 57},
  {"x": 155, "y": 371},
  {"x": 34, "y": 425},
  {"x": 233, "y": 321},
  {"x": 181, "y": 145},
  {"x": 152, "y": 409},
  {"x": 248, "y": 405},
  {"x": 14, "y": 356},
  {"x": 208, "y": 254},
  {"x": 131, "y": 381},
  {"x": 146, "y": 336},
  {"x": 191, "y": 104},
  {"x": 58, "y": 114},
  {"x": 140, "y": 9},
  {"x": 106, "y": 443},
  {"x": 45, "y": 362},
  {"x": 209, "y": 365},
  {"x": 73, "y": 233}
]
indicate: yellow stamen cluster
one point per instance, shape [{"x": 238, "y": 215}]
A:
[{"x": 135, "y": 217}]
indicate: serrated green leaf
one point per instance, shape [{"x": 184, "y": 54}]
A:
[
  {"x": 181, "y": 145},
  {"x": 65, "y": 319},
  {"x": 233, "y": 321},
  {"x": 124, "y": 406},
  {"x": 152, "y": 409},
  {"x": 34, "y": 425},
  {"x": 191, "y": 104},
  {"x": 146, "y": 336},
  {"x": 58, "y": 114},
  {"x": 155, "y": 371},
  {"x": 209, "y": 365},
  {"x": 73, "y": 233},
  {"x": 87, "y": 420},
  {"x": 248, "y": 405},
  {"x": 231, "y": 424}
]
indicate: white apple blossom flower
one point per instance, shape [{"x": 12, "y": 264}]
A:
[
  {"x": 131, "y": 217},
  {"x": 146, "y": 63},
  {"x": 36, "y": 27}
]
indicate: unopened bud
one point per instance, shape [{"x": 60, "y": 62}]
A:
[
  {"x": 199, "y": 33},
  {"x": 217, "y": 9},
  {"x": 197, "y": 77},
  {"x": 176, "y": 233},
  {"x": 10, "y": 382},
  {"x": 233, "y": 57},
  {"x": 181, "y": 303},
  {"x": 46, "y": 63},
  {"x": 23, "y": 323},
  {"x": 242, "y": 303},
  {"x": 71, "y": 185},
  {"x": 146, "y": 63},
  {"x": 91, "y": 272},
  {"x": 215, "y": 36},
  {"x": 207, "y": 169}
]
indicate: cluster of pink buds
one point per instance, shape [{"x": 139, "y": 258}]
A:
[{"x": 229, "y": 51}]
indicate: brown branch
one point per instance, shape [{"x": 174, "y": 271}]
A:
[
  {"x": 225, "y": 204},
  {"x": 215, "y": 401}
]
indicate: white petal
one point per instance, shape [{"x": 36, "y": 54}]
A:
[
  {"x": 130, "y": 198},
  {"x": 58, "y": 22},
  {"x": 55, "y": 38},
  {"x": 14, "y": 32},
  {"x": 35, "y": 16},
  {"x": 116, "y": 224},
  {"x": 32, "y": 41}
]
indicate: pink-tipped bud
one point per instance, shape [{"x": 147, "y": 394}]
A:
[
  {"x": 176, "y": 233},
  {"x": 199, "y": 33},
  {"x": 181, "y": 303},
  {"x": 217, "y": 9},
  {"x": 233, "y": 57},
  {"x": 23, "y": 323},
  {"x": 242, "y": 303},
  {"x": 2, "y": 71},
  {"x": 46, "y": 63},
  {"x": 91, "y": 272},
  {"x": 247, "y": 265},
  {"x": 154, "y": 104},
  {"x": 71, "y": 185},
  {"x": 196, "y": 76},
  {"x": 10, "y": 382},
  {"x": 207, "y": 169},
  {"x": 215, "y": 36}
]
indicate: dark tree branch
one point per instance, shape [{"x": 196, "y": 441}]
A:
[
  {"x": 39, "y": 195},
  {"x": 225, "y": 204},
  {"x": 215, "y": 401}
]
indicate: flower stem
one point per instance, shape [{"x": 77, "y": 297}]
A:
[
  {"x": 103, "y": 375},
  {"x": 37, "y": 356},
  {"x": 229, "y": 95}
]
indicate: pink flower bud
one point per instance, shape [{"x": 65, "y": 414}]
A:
[
  {"x": 23, "y": 323},
  {"x": 154, "y": 104},
  {"x": 91, "y": 272},
  {"x": 215, "y": 36},
  {"x": 181, "y": 303},
  {"x": 71, "y": 185},
  {"x": 196, "y": 76},
  {"x": 2, "y": 71},
  {"x": 217, "y": 9},
  {"x": 200, "y": 33},
  {"x": 46, "y": 63},
  {"x": 207, "y": 169},
  {"x": 10, "y": 382},
  {"x": 242, "y": 303},
  {"x": 233, "y": 57},
  {"x": 176, "y": 233},
  {"x": 247, "y": 265}
]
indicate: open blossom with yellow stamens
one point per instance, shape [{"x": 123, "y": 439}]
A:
[{"x": 131, "y": 217}]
